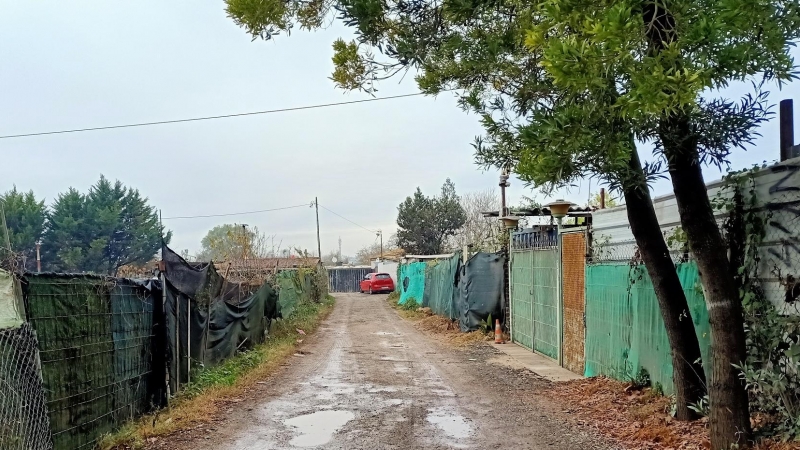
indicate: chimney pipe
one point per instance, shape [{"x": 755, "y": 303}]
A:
[
  {"x": 786, "y": 119},
  {"x": 602, "y": 198}
]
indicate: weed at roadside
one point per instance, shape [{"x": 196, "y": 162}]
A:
[{"x": 216, "y": 386}]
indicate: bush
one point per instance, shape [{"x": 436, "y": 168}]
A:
[{"x": 410, "y": 304}]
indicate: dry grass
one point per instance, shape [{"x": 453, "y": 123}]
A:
[
  {"x": 223, "y": 386},
  {"x": 635, "y": 419},
  {"x": 444, "y": 329}
]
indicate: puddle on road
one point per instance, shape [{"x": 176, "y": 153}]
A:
[
  {"x": 452, "y": 424},
  {"x": 318, "y": 428}
]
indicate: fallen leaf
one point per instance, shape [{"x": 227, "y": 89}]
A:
[{"x": 300, "y": 331}]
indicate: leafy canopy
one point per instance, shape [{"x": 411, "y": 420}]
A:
[
  {"x": 565, "y": 88},
  {"x": 424, "y": 223},
  {"x": 101, "y": 231},
  {"x": 25, "y": 219}
]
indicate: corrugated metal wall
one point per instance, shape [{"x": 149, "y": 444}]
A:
[{"x": 346, "y": 279}]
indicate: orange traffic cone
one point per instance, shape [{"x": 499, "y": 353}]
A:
[{"x": 498, "y": 334}]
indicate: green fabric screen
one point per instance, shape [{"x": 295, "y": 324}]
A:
[
  {"x": 624, "y": 329},
  {"x": 439, "y": 290},
  {"x": 289, "y": 292},
  {"x": 412, "y": 282},
  {"x": 95, "y": 337}
]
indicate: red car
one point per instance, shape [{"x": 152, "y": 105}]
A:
[{"x": 377, "y": 282}]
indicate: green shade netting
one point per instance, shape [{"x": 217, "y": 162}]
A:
[
  {"x": 624, "y": 329},
  {"x": 439, "y": 290},
  {"x": 411, "y": 282}
]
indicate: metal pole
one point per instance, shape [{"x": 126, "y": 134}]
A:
[
  {"x": 177, "y": 344},
  {"x": 188, "y": 342},
  {"x": 559, "y": 299},
  {"x": 381, "y": 235},
  {"x": 319, "y": 246},
  {"x": 511, "y": 296},
  {"x": 164, "y": 311},
  {"x": 503, "y": 184},
  {"x": 786, "y": 119},
  {"x": 38, "y": 257}
]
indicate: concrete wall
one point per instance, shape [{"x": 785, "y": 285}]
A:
[{"x": 389, "y": 267}]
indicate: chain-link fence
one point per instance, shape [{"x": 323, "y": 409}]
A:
[
  {"x": 23, "y": 415},
  {"x": 96, "y": 338}
]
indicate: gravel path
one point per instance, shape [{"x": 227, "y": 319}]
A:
[{"x": 370, "y": 380}]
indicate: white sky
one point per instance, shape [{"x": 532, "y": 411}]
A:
[{"x": 83, "y": 64}]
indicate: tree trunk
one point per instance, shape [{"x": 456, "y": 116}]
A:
[
  {"x": 687, "y": 369},
  {"x": 729, "y": 418}
]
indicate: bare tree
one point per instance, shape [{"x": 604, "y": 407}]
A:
[
  {"x": 481, "y": 232},
  {"x": 373, "y": 251},
  {"x": 232, "y": 241}
]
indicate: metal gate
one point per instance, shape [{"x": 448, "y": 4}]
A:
[
  {"x": 522, "y": 298},
  {"x": 535, "y": 299},
  {"x": 346, "y": 279}
]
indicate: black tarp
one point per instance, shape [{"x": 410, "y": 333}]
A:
[
  {"x": 468, "y": 292},
  {"x": 480, "y": 290},
  {"x": 210, "y": 319}
]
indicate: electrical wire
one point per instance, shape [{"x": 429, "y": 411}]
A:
[
  {"x": 270, "y": 210},
  {"x": 345, "y": 218},
  {"x": 197, "y": 119},
  {"x": 238, "y": 213}
]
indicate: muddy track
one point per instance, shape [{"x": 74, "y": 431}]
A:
[{"x": 370, "y": 380}]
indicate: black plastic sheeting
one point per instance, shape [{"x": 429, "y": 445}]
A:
[
  {"x": 468, "y": 291},
  {"x": 480, "y": 290},
  {"x": 209, "y": 319}
]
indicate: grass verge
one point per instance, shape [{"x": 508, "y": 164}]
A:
[{"x": 221, "y": 385}]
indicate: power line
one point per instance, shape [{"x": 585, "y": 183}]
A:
[
  {"x": 345, "y": 218},
  {"x": 197, "y": 119},
  {"x": 238, "y": 213},
  {"x": 270, "y": 210}
]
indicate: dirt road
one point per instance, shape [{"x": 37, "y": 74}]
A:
[{"x": 370, "y": 380}]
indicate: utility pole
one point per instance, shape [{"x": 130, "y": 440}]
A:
[
  {"x": 244, "y": 241},
  {"x": 38, "y": 257},
  {"x": 340, "y": 248},
  {"x": 503, "y": 185},
  {"x": 380, "y": 234},
  {"x": 319, "y": 246}
]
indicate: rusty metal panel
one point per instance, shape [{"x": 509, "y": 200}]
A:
[{"x": 573, "y": 257}]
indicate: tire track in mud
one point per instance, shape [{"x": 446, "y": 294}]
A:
[{"x": 370, "y": 380}]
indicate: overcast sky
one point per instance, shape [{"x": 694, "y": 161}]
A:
[{"x": 82, "y": 64}]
